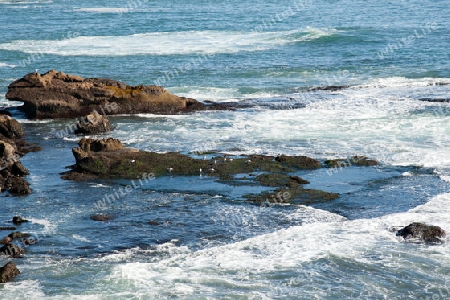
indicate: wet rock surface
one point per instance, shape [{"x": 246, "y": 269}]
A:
[
  {"x": 59, "y": 95},
  {"x": 108, "y": 158},
  {"x": 422, "y": 233}
]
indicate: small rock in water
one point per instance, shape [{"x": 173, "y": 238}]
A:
[
  {"x": 11, "y": 250},
  {"x": 101, "y": 217},
  {"x": 8, "y": 272},
  {"x": 18, "y": 220},
  {"x": 421, "y": 232}
]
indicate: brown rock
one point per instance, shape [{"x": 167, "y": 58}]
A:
[
  {"x": 94, "y": 123},
  {"x": 8, "y": 272},
  {"x": 6, "y": 240},
  {"x": 101, "y": 217},
  {"x": 10, "y": 128},
  {"x": 11, "y": 250},
  {"x": 57, "y": 95}
]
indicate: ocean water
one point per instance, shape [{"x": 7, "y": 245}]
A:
[{"x": 389, "y": 58}]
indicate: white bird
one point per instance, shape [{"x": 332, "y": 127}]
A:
[
  {"x": 215, "y": 161},
  {"x": 231, "y": 159},
  {"x": 170, "y": 170},
  {"x": 36, "y": 71},
  {"x": 133, "y": 161},
  {"x": 204, "y": 157},
  {"x": 212, "y": 170},
  {"x": 200, "y": 170}
]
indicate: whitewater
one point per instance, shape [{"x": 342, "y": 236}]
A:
[{"x": 310, "y": 83}]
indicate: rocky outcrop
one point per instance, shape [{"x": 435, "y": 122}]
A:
[
  {"x": 422, "y": 233},
  {"x": 94, "y": 123},
  {"x": 108, "y": 158},
  {"x": 8, "y": 272},
  {"x": 12, "y": 147},
  {"x": 58, "y": 95}
]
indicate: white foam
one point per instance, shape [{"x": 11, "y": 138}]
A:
[
  {"x": 445, "y": 178},
  {"x": 203, "y": 43},
  {"x": 367, "y": 241},
  {"x": 6, "y": 65},
  {"x": 22, "y": 289},
  {"x": 80, "y": 238},
  {"x": 104, "y": 9}
]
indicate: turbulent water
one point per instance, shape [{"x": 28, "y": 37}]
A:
[{"x": 391, "y": 60}]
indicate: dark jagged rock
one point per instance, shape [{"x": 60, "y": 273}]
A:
[
  {"x": 18, "y": 169},
  {"x": 12, "y": 147},
  {"x": 94, "y": 123},
  {"x": 421, "y": 232},
  {"x": 19, "y": 220},
  {"x": 8, "y": 272},
  {"x": 17, "y": 186},
  {"x": 58, "y": 95},
  {"x": 101, "y": 217},
  {"x": 11, "y": 250}
]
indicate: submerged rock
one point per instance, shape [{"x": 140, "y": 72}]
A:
[
  {"x": 8, "y": 272},
  {"x": 94, "y": 123},
  {"x": 420, "y": 232},
  {"x": 58, "y": 95}
]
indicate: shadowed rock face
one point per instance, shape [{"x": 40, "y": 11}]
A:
[
  {"x": 58, "y": 95},
  {"x": 94, "y": 123},
  {"x": 421, "y": 232},
  {"x": 12, "y": 147}
]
